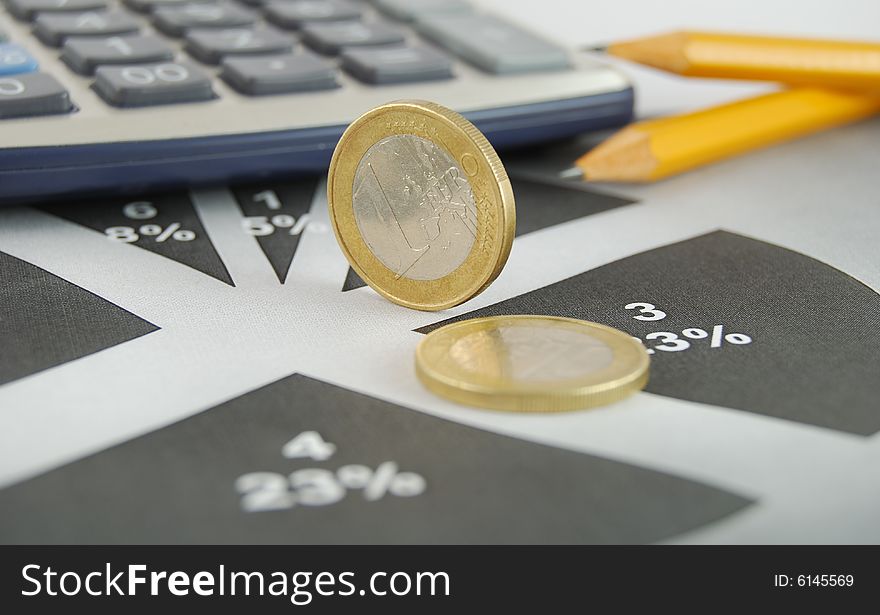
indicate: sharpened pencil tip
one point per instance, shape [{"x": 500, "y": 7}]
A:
[
  {"x": 597, "y": 48},
  {"x": 572, "y": 173}
]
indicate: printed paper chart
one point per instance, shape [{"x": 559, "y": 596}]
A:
[
  {"x": 184, "y": 368},
  {"x": 735, "y": 322}
]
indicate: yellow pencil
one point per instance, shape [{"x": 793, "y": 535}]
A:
[
  {"x": 795, "y": 61},
  {"x": 646, "y": 151}
]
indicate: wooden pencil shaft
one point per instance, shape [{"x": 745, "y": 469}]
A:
[
  {"x": 795, "y": 61},
  {"x": 656, "y": 149}
]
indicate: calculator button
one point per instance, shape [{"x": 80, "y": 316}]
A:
[
  {"x": 15, "y": 59},
  {"x": 28, "y": 9},
  {"x": 492, "y": 44},
  {"x": 330, "y": 38},
  {"x": 300, "y": 12},
  {"x": 175, "y": 20},
  {"x": 32, "y": 94},
  {"x": 381, "y": 65},
  {"x": 147, "y": 6},
  {"x": 84, "y": 55},
  {"x": 52, "y": 29},
  {"x": 152, "y": 84},
  {"x": 279, "y": 74},
  {"x": 210, "y": 46},
  {"x": 410, "y": 10}
]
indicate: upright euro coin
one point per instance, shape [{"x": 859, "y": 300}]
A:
[
  {"x": 420, "y": 204},
  {"x": 531, "y": 363}
]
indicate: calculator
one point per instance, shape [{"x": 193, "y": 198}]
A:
[{"x": 103, "y": 96}]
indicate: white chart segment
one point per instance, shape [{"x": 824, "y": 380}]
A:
[
  {"x": 218, "y": 343},
  {"x": 150, "y": 286},
  {"x": 318, "y": 262},
  {"x": 239, "y": 251}
]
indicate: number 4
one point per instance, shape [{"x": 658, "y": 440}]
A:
[{"x": 309, "y": 444}]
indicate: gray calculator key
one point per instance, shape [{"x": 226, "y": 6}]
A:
[
  {"x": 279, "y": 74},
  {"x": 331, "y": 38},
  {"x": 28, "y": 9},
  {"x": 381, "y": 65},
  {"x": 175, "y": 20},
  {"x": 211, "y": 46},
  {"x": 152, "y": 84},
  {"x": 147, "y": 6},
  {"x": 298, "y": 13},
  {"x": 32, "y": 94},
  {"x": 84, "y": 55},
  {"x": 493, "y": 45},
  {"x": 52, "y": 29},
  {"x": 410, "y": 10}
]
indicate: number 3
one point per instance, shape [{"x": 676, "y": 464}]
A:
[
  {"x": 671, "y": 342},
  {"x": 647, "y": 311}
]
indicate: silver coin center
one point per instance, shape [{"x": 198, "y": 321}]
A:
[
  {"x": 414, "y": 207},
  {"x": 531, "y": 354}
]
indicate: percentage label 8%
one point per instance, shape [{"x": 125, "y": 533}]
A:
[
  {"x": 127, "y": 234},
  {"x": 264, "y": 491},
  {"x": 145, "y": 210}
]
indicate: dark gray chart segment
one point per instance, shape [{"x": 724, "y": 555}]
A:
[
  {"x": 352, "y": 281},
  {"x": 798, "y": 339},
  {"x": 277, "y": 215},
  {"x": 47, "y": 321},
  {"x": 363, "y": 470},
  {"x": 540, "y": 205},
  {"x": 166, "y": 224},
  {"x": 554, "y": 163}
]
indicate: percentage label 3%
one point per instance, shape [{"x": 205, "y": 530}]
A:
[
  {"x": 671, "y": 342},
  {"x": 261, "y": 226},
  {"x": 263, "y": 491}
]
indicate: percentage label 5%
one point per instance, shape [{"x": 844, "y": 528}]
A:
[
  {"x": 127, "y": 234},
  {"x": 671, "y": 342},
  {"x": 260, "y": 226},
  {"x": 264, "y": 491}
]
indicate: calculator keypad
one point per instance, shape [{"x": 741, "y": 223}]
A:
[
  {"x": 493, "y": 45},
  {"x": 331, "y": 38},
  {"x": 15, "y": 59},
  {"x": 147, "y": 6},
  {"x": 53, "y": 28},
  {"x": 153, "y": 84},
  {"x": 175, "y": 20},
  {"x": 379, "y": 65},
  {"x": 410, "y": 10},
  {"x": 297, "y": 13},
  {"x": 32, "y": 94},
  {"x": 211, "y": 46},
  {"x": 301, "y": 72},
  {"x": 28, "y": 9},
  {"x": 304, "y": 48},
  {"x": 85, "y": 55}
]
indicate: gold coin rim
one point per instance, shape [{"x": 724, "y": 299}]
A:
[
  {"x": 627, "y": 374},
  {"x": 489, "y": 181}
]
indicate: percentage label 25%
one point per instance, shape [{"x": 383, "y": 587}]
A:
[{"x": 675, "y": 342}]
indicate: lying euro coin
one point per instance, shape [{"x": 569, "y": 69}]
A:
[
  {"x": 420, "y": 204},
  {"x": 531, "y": 363}
]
